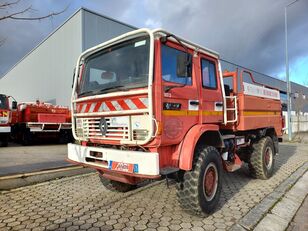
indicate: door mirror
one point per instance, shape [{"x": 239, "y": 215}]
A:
[
  {"x": 183, "y": 65},
  {"x": 14, "y": 105}
]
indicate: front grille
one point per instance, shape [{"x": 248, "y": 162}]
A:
[{"x": 92, "y": 130}]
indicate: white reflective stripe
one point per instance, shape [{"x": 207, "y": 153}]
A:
[
  {"x": 145, "y": 101},
  {"x": 92, "y": 107},
  {"x": 83, "y": 108},
  {"x": 103, "y": 107},
  {"x": 148, "y": 163},
  {"x": 130, "y": 104},
  {"x": 116, "y": 105}
]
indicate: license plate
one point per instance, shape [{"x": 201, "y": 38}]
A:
[{"x": 123, "y": 167}]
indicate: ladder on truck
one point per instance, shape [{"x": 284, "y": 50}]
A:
[{"x": 233, "y": 101}]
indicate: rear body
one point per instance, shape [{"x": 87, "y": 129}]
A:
[
  {"x": 38, "y": 119},
  {"x": 145, "y": 103}
]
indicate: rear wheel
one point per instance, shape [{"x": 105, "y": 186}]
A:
[
  {"x": 65, "y": 136},
  {"x": 116, "y": 185},
  {"x": 262, "y": 159},
  {"x": 199, "y": 189},
  {"x": 27, "y": 137}
]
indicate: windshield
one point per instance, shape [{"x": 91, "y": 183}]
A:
[
  {"x": 3, "y": 102},
  {"x": 118, "y": 68}
]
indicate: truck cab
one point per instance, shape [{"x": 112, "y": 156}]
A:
[
  {"x": 149, "y": 104},
  {"x": 6, "y": 116}
]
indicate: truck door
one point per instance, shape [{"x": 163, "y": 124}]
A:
[
  {"x": 211, "y": 94},
  {"x": 178, "y": 115}
]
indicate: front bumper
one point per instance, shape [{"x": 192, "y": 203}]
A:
[
  {"x": 147, "y": 162},
  {"x": 6, "y": 129}
]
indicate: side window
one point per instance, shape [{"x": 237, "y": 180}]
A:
[
  {"x": 169, "y": 59},
  {"x": 209, "y": 79}
]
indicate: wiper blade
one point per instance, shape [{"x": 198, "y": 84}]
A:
[
  {"x": 108, "y": 88},
  {"x": 100, "y": 90},
  {"x": 85, "y": 93}
]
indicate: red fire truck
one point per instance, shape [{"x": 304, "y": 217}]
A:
[
  {"x": 149, "y": 104},
  {"x": 41, "y": 120},
  {"x": 26, "y": 121}
]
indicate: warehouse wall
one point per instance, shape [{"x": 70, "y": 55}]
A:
[
  {"x": 46, "y": 72},
  {"x": 99, "y": 29}
]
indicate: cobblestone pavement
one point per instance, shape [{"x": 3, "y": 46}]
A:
[{"x": 82, "y": 203}]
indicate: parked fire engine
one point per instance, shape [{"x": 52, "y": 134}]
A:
[
  {"x": 149, "y": 104},
  {"x": 26, "y": 121},
  {"x": 41, "y": 120}
]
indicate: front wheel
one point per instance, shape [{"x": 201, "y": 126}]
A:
[
  {"x": 116, "y": 185},
  {"x": 199, "y": 189}
]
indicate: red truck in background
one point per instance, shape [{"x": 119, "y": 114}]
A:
[
  {"x": 28, "y": 121},
  {"x": 38, "y": 119}
]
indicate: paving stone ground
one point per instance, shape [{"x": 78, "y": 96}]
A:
[
  {"x": 299, "y": 222},
  {"x": 82, "y": 203}
]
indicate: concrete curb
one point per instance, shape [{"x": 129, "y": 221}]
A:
[
  {"x": 268, "y": 204},
  {"x": 25, "y": 179}
]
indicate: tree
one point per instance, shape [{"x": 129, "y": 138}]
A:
[{"x": 18, "y": 14}]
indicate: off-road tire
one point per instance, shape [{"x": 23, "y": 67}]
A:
[
  {"x": 27, "y": 138},
  {"x": 257, "y": 164},
  {"x": 65, "y": 137},
  {"x": 116, "y": 185},
  {"x": 191, "y": 190}
]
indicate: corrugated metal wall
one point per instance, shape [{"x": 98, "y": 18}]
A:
[
  {"x": 46, "y": 72},
  {"x": 99, "y": 29}
]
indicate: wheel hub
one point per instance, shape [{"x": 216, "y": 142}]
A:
[
  {"x": 268, "y": 158},
  {"x": 210, "y": 181}
]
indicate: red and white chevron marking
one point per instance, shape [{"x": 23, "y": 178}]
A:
[{"x": 114, "y": 105}]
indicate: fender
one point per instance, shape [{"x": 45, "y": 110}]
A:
[{"x": 190, "y": 140}]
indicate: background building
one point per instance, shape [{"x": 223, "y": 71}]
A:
[{"x": 46, "y": 73}]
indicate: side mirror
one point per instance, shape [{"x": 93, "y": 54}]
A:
[
  {"x": 14, "y": 105},
  {"x": 183, "y": 65},
  {"x": 73, "y": 77}
]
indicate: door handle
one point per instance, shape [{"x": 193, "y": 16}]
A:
[
  {"x": 218, "y": 104},
  {"x": 194, "y": 102}
]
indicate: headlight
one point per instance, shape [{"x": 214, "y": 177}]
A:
[
  {"x": 79, "y": 127},
  {"x": 140, "y": 127},
  {"x": 4, "y": 117}
]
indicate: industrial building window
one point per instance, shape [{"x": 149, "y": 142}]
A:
[
  {"x": 208, "y": 69},
  {"x": 169, "y": 65}
]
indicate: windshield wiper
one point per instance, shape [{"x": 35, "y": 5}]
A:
[
  {"x": 85, "y": 93},
  {"x": 100, "y": 90},
  {"x": 108, "y": 88}
]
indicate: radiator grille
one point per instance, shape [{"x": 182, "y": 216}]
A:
[{"x": 91, "y": 129}]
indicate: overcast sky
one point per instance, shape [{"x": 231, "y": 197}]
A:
[{"x": 247, "y": 32}]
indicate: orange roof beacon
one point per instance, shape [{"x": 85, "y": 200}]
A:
[{"x": 149, "y": 104}]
